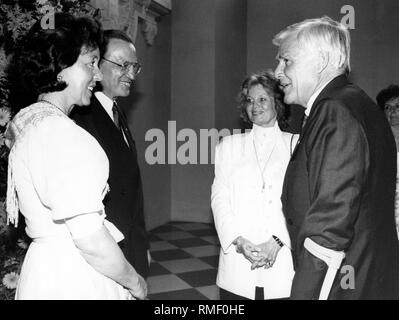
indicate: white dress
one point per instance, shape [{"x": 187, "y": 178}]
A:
[{"x": 60, "y": 171}]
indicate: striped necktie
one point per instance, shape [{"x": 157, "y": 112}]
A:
[
  {"x": 305, "y": 118},
  {"x": 121, "y": 124},
  {"x": 115, "y": 115}
]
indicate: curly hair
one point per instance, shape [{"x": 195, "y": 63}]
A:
[
  {"x": 271, "y": 85},
  {"x": 43, "y": 53},
  {"x": 387, "y": 94}
]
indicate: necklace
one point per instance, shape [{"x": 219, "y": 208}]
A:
[
  {"x": 267, "y": 161},
  {"x": 50, "y": 103}
]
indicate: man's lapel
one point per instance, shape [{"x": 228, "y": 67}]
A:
[
  {"x": 337, "y": 82},
  {"x": 106, "y": 127}
]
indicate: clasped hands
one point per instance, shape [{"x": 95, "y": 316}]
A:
[{"x": 261, "y": 255}]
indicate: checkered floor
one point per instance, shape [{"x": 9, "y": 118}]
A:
[{"x": 185, "y": 259}]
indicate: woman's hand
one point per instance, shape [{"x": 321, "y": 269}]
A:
[
  {"x": 268, "y": 254},
  {"x": 247, "y": 249},
  {"x": 140, "y": 290}
]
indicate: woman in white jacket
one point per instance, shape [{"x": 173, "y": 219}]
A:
[{"x": 255, "y": 257}]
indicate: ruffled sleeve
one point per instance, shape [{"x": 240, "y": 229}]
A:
[{"x": 68, "y": 168}]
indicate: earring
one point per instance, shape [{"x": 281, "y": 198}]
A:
[{"x": 59, "y": 78}]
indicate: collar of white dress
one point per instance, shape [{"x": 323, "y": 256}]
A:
[{"x": 264, "y": 135}]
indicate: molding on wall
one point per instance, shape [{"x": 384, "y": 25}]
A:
[
  {"x": 127, "y": 15},
  {"x": 161, "y": 7}
]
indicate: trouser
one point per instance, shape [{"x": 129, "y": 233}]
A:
[{"x": 227, "y": 295}]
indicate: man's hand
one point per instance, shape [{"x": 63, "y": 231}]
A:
[
  {"x": 247, "y": 249},
  {"x": 268, "y": 254}
]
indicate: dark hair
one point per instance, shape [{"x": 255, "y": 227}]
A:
[
  {"x": 113, "y": 34},
  {"x": 43, "y": 53},
  {"x": 387, "y": 94},
  {"x": 271, "y": 85}
]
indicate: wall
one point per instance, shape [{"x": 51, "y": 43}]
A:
[
  {"x": 208, "y": 59},
  {"x": 374, "y": 49},
  {"x": 149, "y": 107},
  {"x": 230, "y": 60},
  {"x": 193, "y": 95}
]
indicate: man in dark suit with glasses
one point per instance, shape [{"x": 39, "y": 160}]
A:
[{"x": 106, "y": 121}]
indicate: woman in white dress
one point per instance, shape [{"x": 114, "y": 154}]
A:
[
  {"x": 255, "y": 257},
  {"x": 58, "y": 172}
]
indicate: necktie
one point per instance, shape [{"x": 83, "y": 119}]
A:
[
  {"x": 121, "y": 124},
  {"x": 305, "y": 118},
  {"x": 115, "y": 114}
]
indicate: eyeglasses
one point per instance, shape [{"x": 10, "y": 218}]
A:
[{"x": 127, "y": 65}]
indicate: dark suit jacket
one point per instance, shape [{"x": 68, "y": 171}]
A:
[
  {"x": 339, "y": 190},
  {"x": 294, "y": 120},
  {"x": 124, "y": 202}
]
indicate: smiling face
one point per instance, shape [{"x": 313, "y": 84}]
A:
[
  {"x": 297, "y": 72},
  {"x": 116, "y": 83},
  {"x": 260, "y": 107},
  {"x": 81, "y": 77},
  {"x": 391, "y": 110}
]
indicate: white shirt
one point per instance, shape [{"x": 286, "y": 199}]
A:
[{"x": 108, "y": 104}]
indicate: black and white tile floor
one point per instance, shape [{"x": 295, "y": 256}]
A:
[{"x": 185, "y": 259}]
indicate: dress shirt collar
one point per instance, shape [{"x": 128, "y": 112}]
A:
[
  {"x": 106, "y": 102},
  {"x": 314, "y": 96}
]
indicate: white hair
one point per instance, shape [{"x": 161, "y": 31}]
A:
[{"x": 322, "y": 33}]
